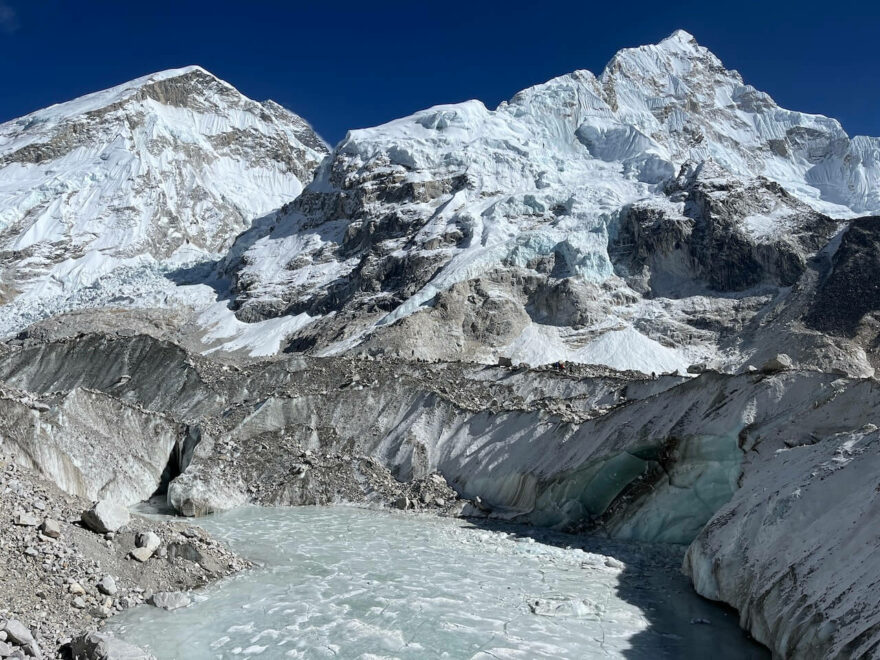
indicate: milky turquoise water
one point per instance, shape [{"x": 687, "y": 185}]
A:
[{"x": 338, "y": 582}]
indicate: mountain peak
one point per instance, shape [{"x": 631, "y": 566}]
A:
[
  {"x": 177, "y": 158},
  {"x": 181, "y": 71},
  {"x": 680, "y": 37},
  {"x": 131, "y": 89},
  {"x": 190, "y": 72}
]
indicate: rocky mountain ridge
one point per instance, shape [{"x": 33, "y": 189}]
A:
[{"x": 542, "y": 212}]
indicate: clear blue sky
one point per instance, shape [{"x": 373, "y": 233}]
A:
[{"x": 347, "y": 64}]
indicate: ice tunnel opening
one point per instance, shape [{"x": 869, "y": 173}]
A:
[
  {"x": 178, "y": 460},
  {"x": 662, "y": 494}
]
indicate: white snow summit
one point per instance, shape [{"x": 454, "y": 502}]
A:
[{"x": 171, "y": 166}]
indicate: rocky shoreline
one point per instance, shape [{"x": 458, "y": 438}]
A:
[{"x": 61, "y": 579}]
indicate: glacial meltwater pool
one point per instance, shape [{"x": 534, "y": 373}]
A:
[{"x": 340, "y": 582}]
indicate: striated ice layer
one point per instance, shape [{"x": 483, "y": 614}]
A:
[{"x": 353, "y": 583}]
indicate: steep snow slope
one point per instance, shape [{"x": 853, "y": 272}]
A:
[
  {"x": 415, "y": 232},
  {"x": 166, "y": 168}
]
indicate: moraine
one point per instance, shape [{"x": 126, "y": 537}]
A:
[{"x": 358, "y": 583}]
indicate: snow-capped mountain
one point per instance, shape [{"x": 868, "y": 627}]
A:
[
  {"x": 595, "y": 219},
  {"x": 164, "y": 167},
  {"x": 663, "y": 216},
  {"x": 659, "y": 215}
]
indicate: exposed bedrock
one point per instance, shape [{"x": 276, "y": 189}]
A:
[
  {"x": 848, "y": 299},
  {"x": 718, "y": 232}
]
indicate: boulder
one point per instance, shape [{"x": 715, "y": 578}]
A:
[
  {"x": 107, "y": 585},
  {"x": 169, "y": 600},
  {"x": 51, "y": 528},
  {"x": 780, "y": 362},
  {"x": 697, "y": 368},
  {"x": 105, "y": 516},
  {"x": 148, "y": 540},
  {"x": 141, "y": 554},
  {"x": 102, "y": 646},
  {"x": 24, "y": 519},
  {"x": 18, "y": 633}
]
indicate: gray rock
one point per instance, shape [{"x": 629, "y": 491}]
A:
[
  {"x": 102, "y": 646},
  {"x": 141, "y": 554},
  {"x": 169, "y": 600},
  {"x": 107, "y": 585},
  {"x": 187, "y": 551},
  {"x": 698, "y": 368},
  {"x": 51, "y": 528},
  {"x": 79, "y": 603},
  {"x": 17, "y": 633},
  {"x": 24, "y": 519},
  {"x": 5, "y": 650},
  {"x": 105, "y": 516},
  {"x": 780, "y": 362},
  {"x": 472, "y": 510},
  {"x": 148, "y": 540}
]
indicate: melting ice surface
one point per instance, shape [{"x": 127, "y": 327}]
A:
[{"x": 341, "y": 582}]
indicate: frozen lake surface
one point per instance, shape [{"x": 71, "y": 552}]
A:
[{"x": 340, "y": 582}]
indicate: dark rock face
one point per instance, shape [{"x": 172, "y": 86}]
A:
[
  {"x": 852, "y": 289},
  {"x": 710, "y": 242},
  {"x": 566, "y": 302},
  {"x": 390, "y": 263}
]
